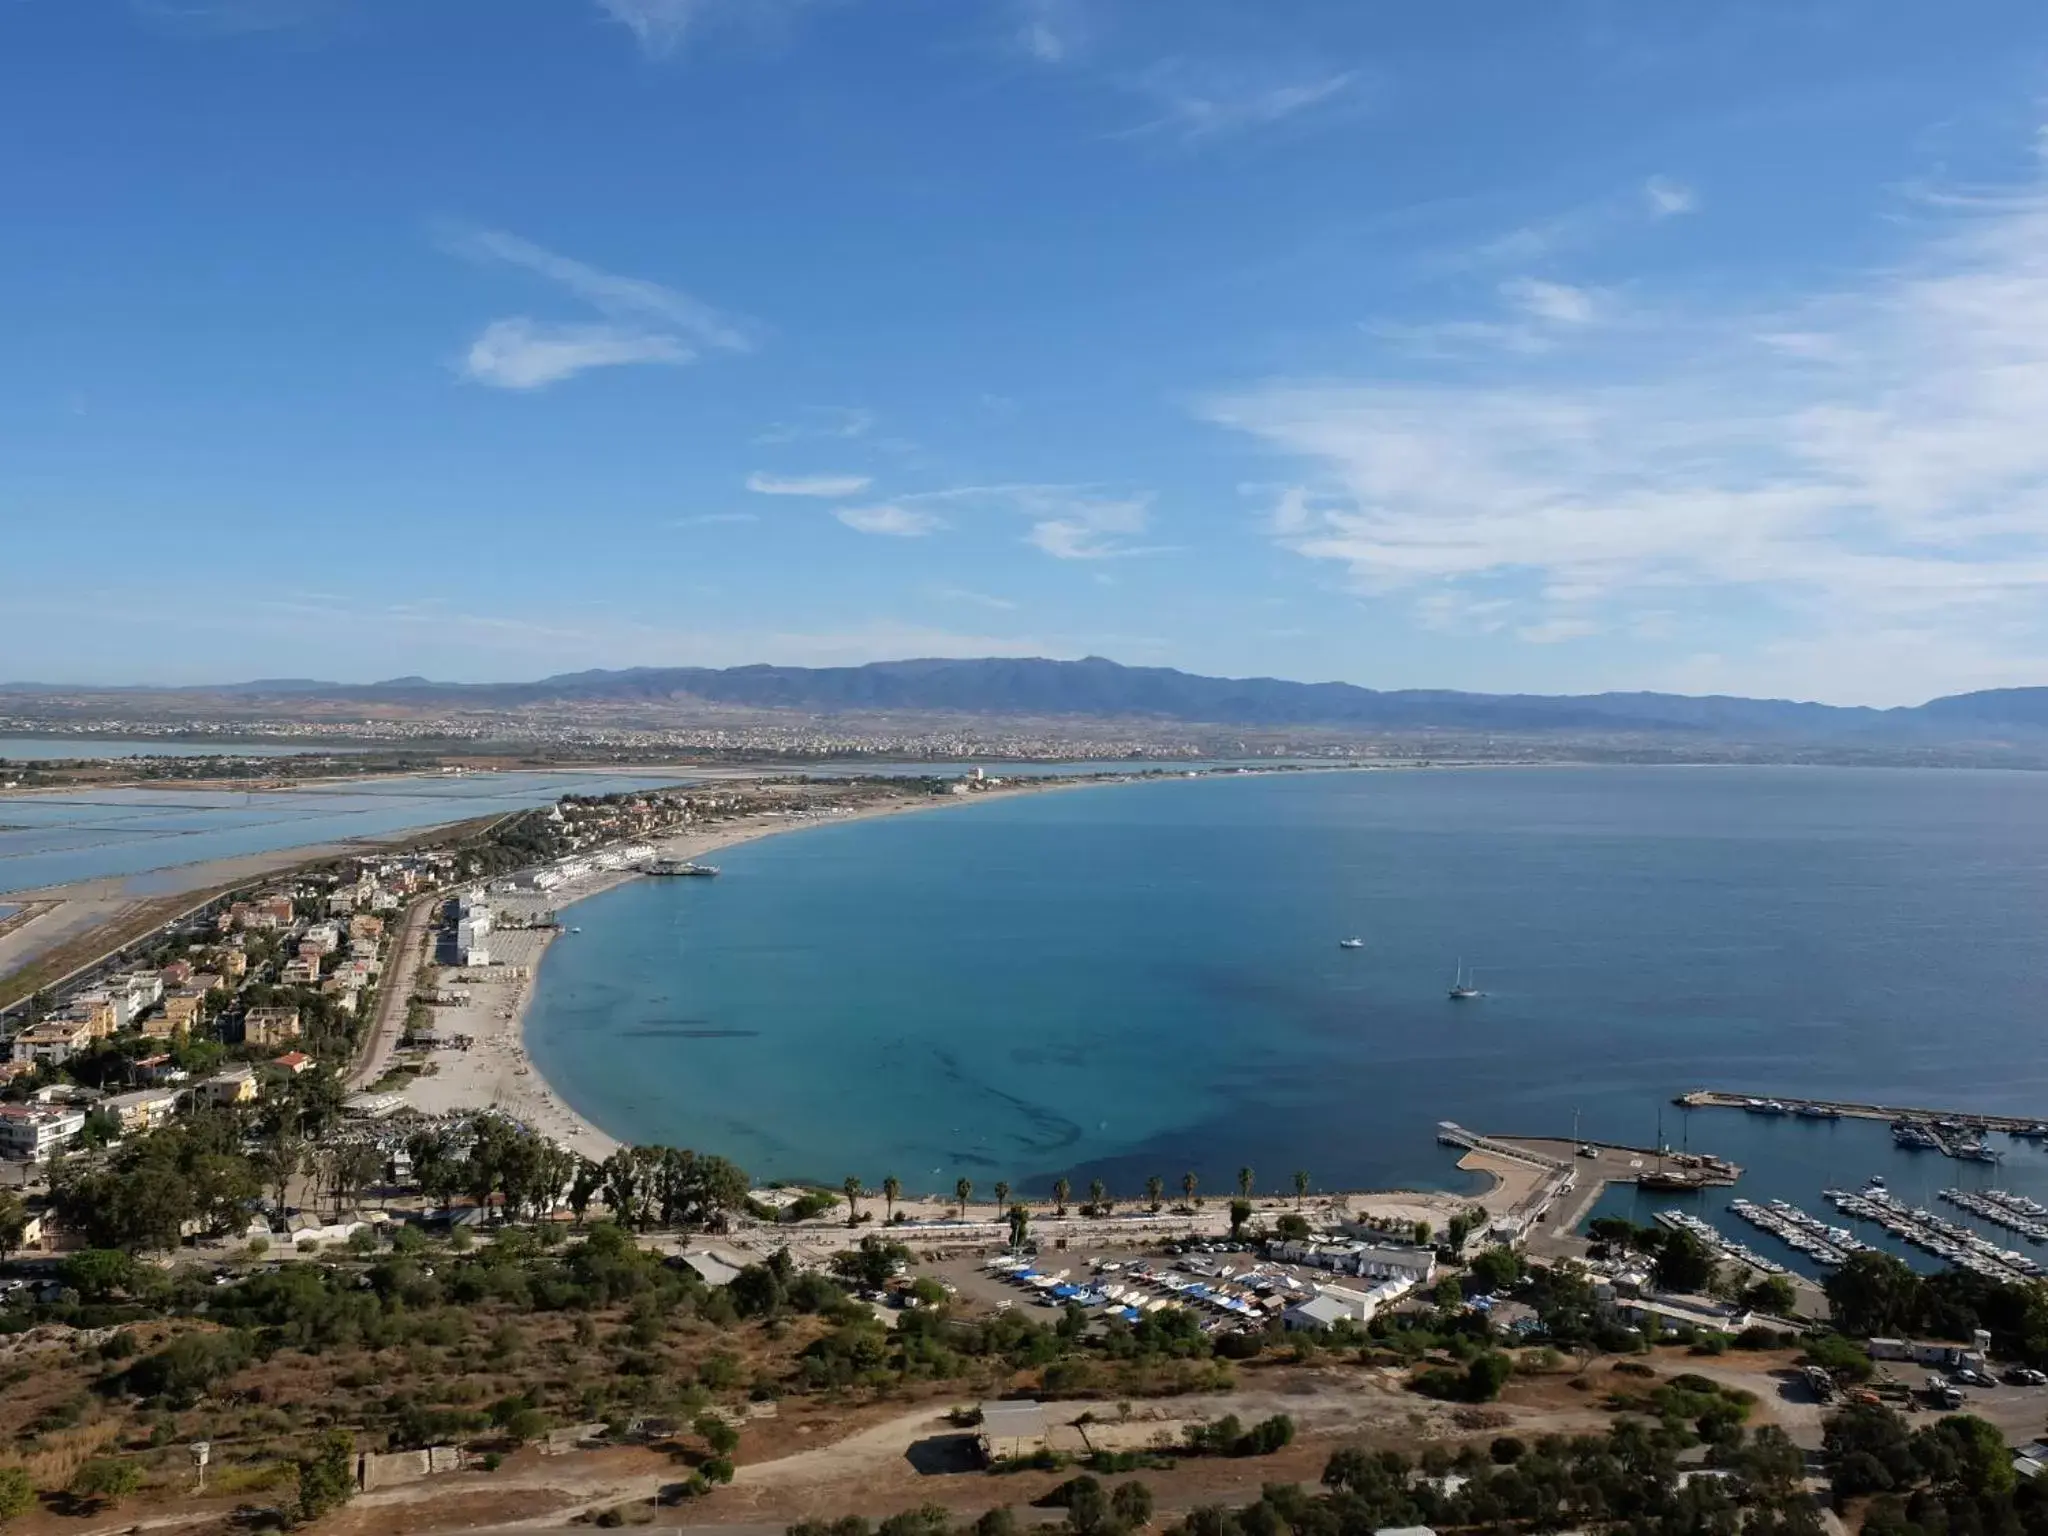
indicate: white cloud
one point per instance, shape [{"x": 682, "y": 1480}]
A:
[
  {"x": 624, "y": 299},
  {"x": 1048, "y": 30},
  {"x": 825, "y": 421},
  {"x": 709, "y": 519},
  {"x": 978, "y": 599},
  {"x": 662, "y": 27},
  {"x": 890, "y": 521},
  {"x": 1879, "y": 486},
  {"x": 807, "y": 485},
  {"x": 1552, "y": 303},
  {"x": 1196, "y": 102},
  {"x": 645, "y": 321},
  {"x": 529, "y": 354},
  {"x": 1667, "y": 197},
  {"x": 1068, "y": 522}
]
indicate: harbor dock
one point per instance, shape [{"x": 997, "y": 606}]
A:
[{"x": 1953, "y": 1133}]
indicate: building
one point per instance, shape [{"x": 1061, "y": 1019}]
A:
[
  {"x": 52, "y": 1042},
  {"x": 1376, "y": 1261},
  {"x": 31, "y": 1132},
  {"x": 293, "y": 1062},
  {"x": 145, "y": 989},
  {"x": 270, "y": 1026},
  {"x": 177, "y": 973},
  {"x": 1012, "y": 1428},
  {"x": 182, "y": 1011},
  {"x": 1333, "y": 1304},
  {"x": 235, "y": 1085},
  {"x": 364, "y": 926},
  {"x": 143, "y": 1110},
  {"x": 301, "y": 971},
  {"x": 159, "y": 1070},
  {"x": 234, "y": 963}
]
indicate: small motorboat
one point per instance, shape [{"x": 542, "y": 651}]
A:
[{"x": 1351, "y": 943}]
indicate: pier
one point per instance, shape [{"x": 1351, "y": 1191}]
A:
[{"x": 1951, "y": 1132}]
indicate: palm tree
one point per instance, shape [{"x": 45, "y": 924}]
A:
[
  {"x": 1098, "y": 1196},
  {"x": 1244, "y": 1183},
  {"x": 1002, "y": 1195},
  {"x": 1188, "y": 1185},
  {"x": 1020, "y": 1225},
  {"x": 892, "y": 1191},
  {"x": 1155, "y": 1191},
  {"x": 1300, "y": 1188},
  {"x": 851, "y": 1189},
  {"x": 1060, "y": 1190},
  {"x": 965, "y": 1190}
]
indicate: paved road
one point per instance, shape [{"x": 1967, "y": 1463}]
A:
[{"x": 394, "y": 991}]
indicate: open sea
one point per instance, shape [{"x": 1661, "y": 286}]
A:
[{"x": 1116, "y": 982}]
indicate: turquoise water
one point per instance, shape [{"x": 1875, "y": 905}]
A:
[{"x": 1137, "y": 980}]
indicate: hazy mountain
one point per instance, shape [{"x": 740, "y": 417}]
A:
[{"x": 1100, "y": 689}]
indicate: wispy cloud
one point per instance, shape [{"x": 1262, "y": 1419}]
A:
[
  {"x": 823, "y": 421},
  {"x": 646, "y": 322},
  {"x": 711, "y": 519},
  {"x": 977, "y": 599},
  {"x": 1552, "y": 303},
  {"x": 891, "y": 521},
  {"x": 1068, "y": 522},
  {"x": 1048, "y": 30},
  {"x": 807, "y": 485},
  {"x": 1883, "y": 484},
  {"x": 1667, "y": 197},
  {"x": 663, "y": 27},
  {"x": 1194, "y": 102},
  {"x": 520, "y": 353},
  {"x": 230, "y": 18}
]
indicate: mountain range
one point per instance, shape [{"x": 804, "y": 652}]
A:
[{"x": 1099, "y": 689}]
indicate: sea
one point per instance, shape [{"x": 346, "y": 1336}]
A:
[
  {"x": 36, "y": 749},
  {"x": 1139, "y": 980}
]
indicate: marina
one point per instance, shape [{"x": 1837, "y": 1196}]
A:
[
  {"x": 1725, "y": 1247},
  {"x": 1923, "y": 1229},
  {"x": 2016, "y": 1213},
  {"x": 1826, "y": 1245}
]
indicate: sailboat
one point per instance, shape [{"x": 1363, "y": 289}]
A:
[
  {"x": 1462, "y": 986},
  {"x": 1351, "y": 943}
]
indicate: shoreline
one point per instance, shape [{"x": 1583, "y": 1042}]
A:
[{"x": 497, "y": 1071}]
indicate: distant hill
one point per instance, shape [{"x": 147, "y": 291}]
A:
[{"x": 1096, "y": 688}]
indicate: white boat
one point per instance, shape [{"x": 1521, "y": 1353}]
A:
[
  {"x": 1351, "y": 943},
  {"x": 1464, "y": 987}
]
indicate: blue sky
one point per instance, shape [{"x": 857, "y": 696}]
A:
[{"x": 1554, "y": 348}]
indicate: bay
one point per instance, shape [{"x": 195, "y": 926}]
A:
[{"x": 1127, "y": 981}]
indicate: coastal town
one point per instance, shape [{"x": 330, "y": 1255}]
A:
[{"x": 323, "y": 1076}]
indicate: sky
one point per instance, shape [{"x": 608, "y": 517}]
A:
[{"x": 1554, "y": 348}]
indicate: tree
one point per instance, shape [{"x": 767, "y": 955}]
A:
[
  {"x": 104, "y": 1481},
  {"x": 1496, "y": 1269},
  {"x": 1874, "y": 1295},
  {"x": 1300, "y": 1187},
  {"x": 13, "y": 1223},
  {"x": 851, "y": 1189},
  {"x": 1098, "y": 1196},
  {"x": 1422, "y": 1235},
  {"x": 327, "y": 1476},
  {"x": 892, "y": 1191},
  {"x": 963, "y": 1189},
  {"x": 1002, "y": 1195},
  {"x": 1188, "y": 1185},
  {"x": 719, "y": 1435},
  {"x": 1155, "y": 1191},
  {"x": 1060, "y": 1190},
  {"x": 584, "y": 1184},
  {"x": 1684, "y": 1264},
  {"x": 1131, "y": 1504},
  {"x": 1773, "y": 1294},
  {"x": 1240, "y": 1213},
  {"x": 17, "y": 1493},
  {"x": 1020, "y": 1225},
  {"x": 1244, "y": 1183},
  {"x": 97, "y": 1273}
]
